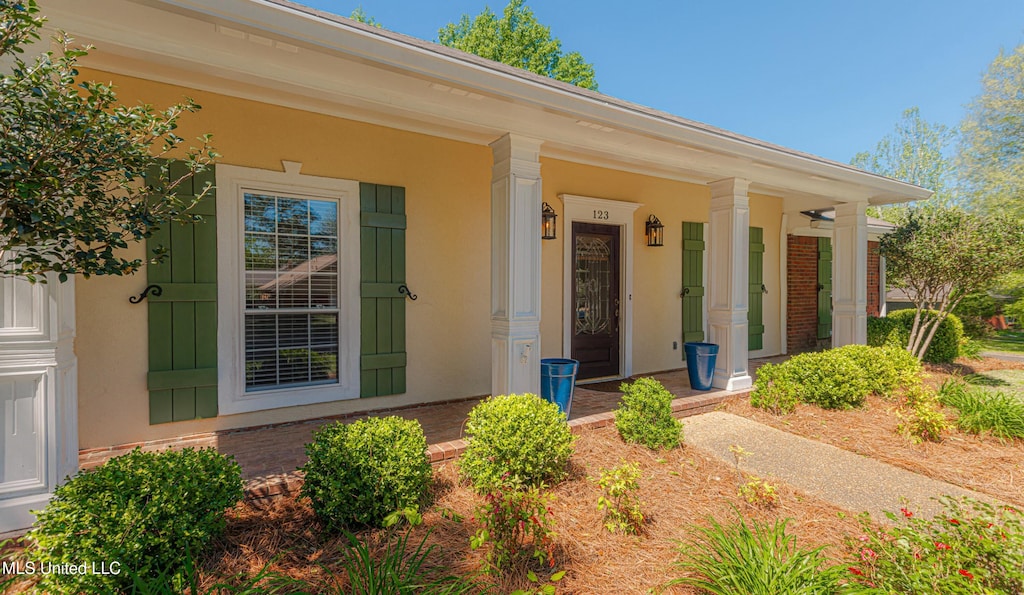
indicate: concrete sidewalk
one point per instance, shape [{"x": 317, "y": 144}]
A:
[{"x": 851, "y": 481}]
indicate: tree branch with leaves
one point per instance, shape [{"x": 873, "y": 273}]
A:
[
  {"x": 942, "y": 255},
  {"x": 73, "y": 159}
]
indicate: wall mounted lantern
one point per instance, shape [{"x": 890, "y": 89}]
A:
[
  {"x": 655, "y": 232},
  {"x": 547, "y": 222}
]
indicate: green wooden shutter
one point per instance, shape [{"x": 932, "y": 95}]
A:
[
  {"x": 693, "y": 281},
  {"x": 183, "y": 318},
  {"x": 755, "y": 309},
  {"x": 824, "y": 288},
  {"x": 382, "y": 306}
]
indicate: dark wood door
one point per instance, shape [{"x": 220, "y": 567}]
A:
[{"x": 595, "y": 299}]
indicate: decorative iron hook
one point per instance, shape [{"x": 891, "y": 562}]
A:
[
  {"x": 764, "y": 289},
  {"x": 404, "y": 289},
  {"x": 151, "y": 289}
]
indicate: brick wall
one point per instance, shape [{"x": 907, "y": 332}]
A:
[
  {"x": 873, "y": 279},
  {"x": 802, "y": 300},
  {"x": 802, "y": 282}
]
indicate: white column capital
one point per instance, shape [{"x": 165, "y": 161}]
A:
[
  {"x": 516, "y": 154},
  {"x": 729, "y": 188},
  {"x": 854, "y": 209}
]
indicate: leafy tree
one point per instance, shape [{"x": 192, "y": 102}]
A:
[
  {"x": 942, "y": 255},
  {"x": 359, "y": 15},
  {"x": 72, "y": 159},
  {"x": 992, "y": 151},
  {"x": 517, "y": 39},
  {"x": 914, "y": 153}
]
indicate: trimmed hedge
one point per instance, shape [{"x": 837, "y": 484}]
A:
[
  {"x": 359, "y": 473},
  {"x": 518, "y": 441},
  {"x": 887, "y": 331},
  {"x": 885, "y": 369},
  {"x": 143, "y": 511},
  {"x": 835, "y": 379},
  {"x": 945, "y": 346},
  {"x": 645, "y": 415}
]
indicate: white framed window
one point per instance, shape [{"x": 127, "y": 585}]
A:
[{"x": 288, "y": 288}]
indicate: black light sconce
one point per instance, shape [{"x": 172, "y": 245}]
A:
[
  {"x": 547, "y": 222},
  {"x": 655, "y": 232}
]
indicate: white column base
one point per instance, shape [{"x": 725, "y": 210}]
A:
[{"x": 515, "y": 357}]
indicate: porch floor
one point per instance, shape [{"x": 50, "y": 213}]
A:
[{"x": 270, "y": 455}]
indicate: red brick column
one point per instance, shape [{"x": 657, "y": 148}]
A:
[
  {"x": 802, "y": 300},
  {"x": 874, "y": 308}
]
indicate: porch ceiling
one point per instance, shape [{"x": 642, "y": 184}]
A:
[{"x": 286, "y": 54}]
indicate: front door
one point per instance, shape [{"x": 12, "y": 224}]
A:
[{"x": 595, "y": 299}]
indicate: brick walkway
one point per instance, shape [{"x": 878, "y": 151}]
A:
[{"x": 270, "y": 455}]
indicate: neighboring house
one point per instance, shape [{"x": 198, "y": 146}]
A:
[
  {"x": 810, "y": 270},
  {"x": 361, "y": 167}
]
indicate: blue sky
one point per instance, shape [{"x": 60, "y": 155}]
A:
[{"x": 822, "y": 76}]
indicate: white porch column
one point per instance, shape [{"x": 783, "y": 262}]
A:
[
  {"x": 515, "y": 265},
  {"x": 728, "y": 271},
  {"x": 38, "y": 395},
  {"x": 850, "y": 275}
]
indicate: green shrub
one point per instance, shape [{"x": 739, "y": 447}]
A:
[
  {"x": 887, "y": 331},
  {"x": 143, "y": 511},
  {"x": 517, "y": 440},
  {"x": 359, "y": 473},
  {"x": 945, "y": 345},
  {"x": 922, "y": 420},
  {"x": 620, "y": 502},
  {"x": 645, "y": 415},
  {"x": 971, "y": 547},
  {"x": 754, "y": 560},
  {"x": 976, "y": 327},
  {"x": 515, "y": 521},
  {"x": 885, "y": 369},
  {"x": 773, "y": 391},
  {"x": 828, "y": 379},
  {"x": 982, "y": 410}
]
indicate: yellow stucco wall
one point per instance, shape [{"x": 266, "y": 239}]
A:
[
  {"x": 657, "y": 272},
  {"x": 448, "y": 188},
  {"x": 448, "y": 327}
]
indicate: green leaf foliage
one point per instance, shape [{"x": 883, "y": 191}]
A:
[
  {"x": 773, "y": 391},
  {"x": 754, "y": 559},
  {"x": 516, "y": 440},
  {"x": 942, "y": 255},
  {"x": 645, "y": 417},
  {"x": 984, "y": 411},
  {"x": 971, "y": 547},
  {"x": 72, "y": 157},
  {"x": 991, "y": 156},
  {"x": 945, "y": 345},
  {"x": 517, "y": 39},
  {"x": 359, "y": 473},
  {"x": 914, "y": 152},
  {"x": 885, "y": 369},
  {"x": 886, "y": 331},
  {"x": 828, "y": 379},
  {"x": 144, "y": 511}
]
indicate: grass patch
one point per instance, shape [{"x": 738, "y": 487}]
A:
[
  {"x": 1004, "y": 341},
  {"x": 982, "y": 410},
  {"x": 755, "y": 558}
]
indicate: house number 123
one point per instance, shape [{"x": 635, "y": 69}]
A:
[{"x": 603, "y": 215}]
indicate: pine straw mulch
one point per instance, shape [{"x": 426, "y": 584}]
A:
[
  {"x": 980, "y": 463},
  {"x": 678, "y": 488}
]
